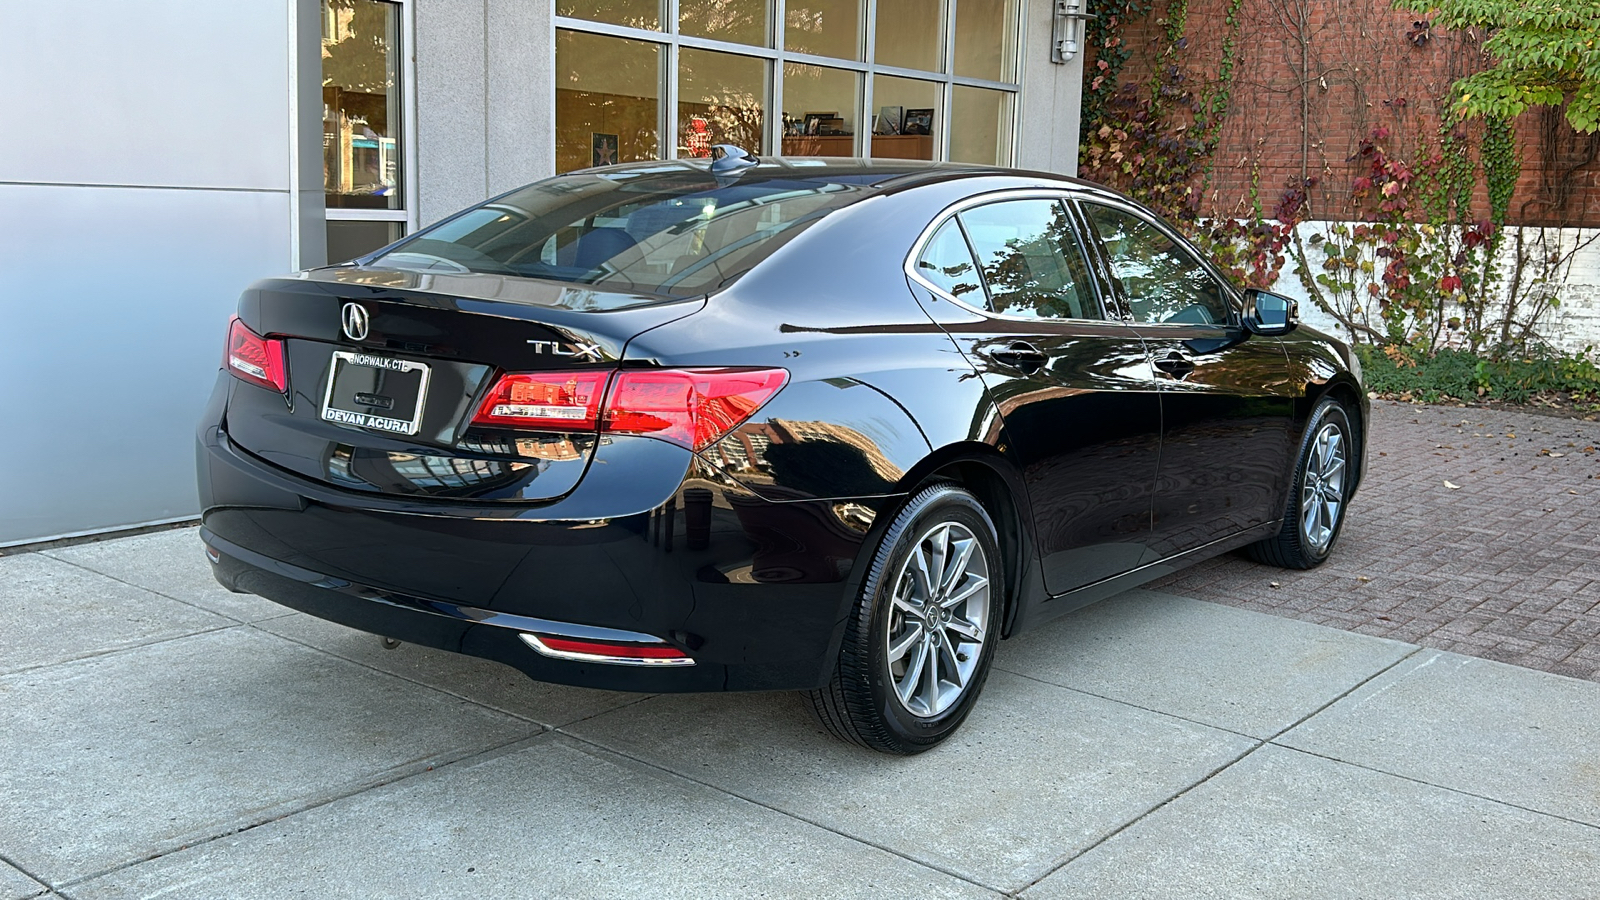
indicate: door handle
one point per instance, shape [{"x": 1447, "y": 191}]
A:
[
  {"x": 1176, "y": 365},
  {"x": 1019, "y": 355}
]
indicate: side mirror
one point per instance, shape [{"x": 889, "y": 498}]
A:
[{"x": 1269, "y": 314}]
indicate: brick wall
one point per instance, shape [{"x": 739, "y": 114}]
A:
[{"x": 1314, "y": 77}]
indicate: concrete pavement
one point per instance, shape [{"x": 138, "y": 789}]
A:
[
  {"x": 1504, "y": 565},
  {"x": 166, "y": 738}
]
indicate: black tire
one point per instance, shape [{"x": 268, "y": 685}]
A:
[
  {"x": 1295, "y": 546},
  {"x": 861, "y": 703}
]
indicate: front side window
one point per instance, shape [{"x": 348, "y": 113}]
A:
[
  {"x": 675, "y": 234},
  {"x": 1164, "y": 283},
  {"x": 1029, "y": 256}
]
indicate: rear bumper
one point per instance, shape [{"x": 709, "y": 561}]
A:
[{"x": 754, "y": 591}]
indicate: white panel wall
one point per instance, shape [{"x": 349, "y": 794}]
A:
[
  {"x": 1052, "y": 98},
  {"x": 144, "y": 181}
]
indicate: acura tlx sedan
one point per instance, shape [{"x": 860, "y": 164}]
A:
[{"x": 833, "y": 426}]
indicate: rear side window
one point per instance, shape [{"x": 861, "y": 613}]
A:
[
  {"x": 946, "y": 261},
  {"x": 1028, "y": 253},
  {"x": 680, "y": 233}
]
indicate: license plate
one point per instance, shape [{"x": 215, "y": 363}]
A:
[{"x": 376, "y": 392}]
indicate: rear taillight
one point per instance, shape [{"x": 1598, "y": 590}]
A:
[
  {"x": 562, "y": 401},
  {"x": 689, "y": 407},
  {"x": 253, "y": 358}
]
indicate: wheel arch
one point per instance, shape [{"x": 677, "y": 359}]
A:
[
  {"x": 992, "y": 478},
  {"x": 1347, "y": 392}
]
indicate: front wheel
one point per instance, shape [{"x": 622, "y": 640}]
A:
[
  {"x": 1323, "y": 478},
  {"x": 918, "y": 645}
]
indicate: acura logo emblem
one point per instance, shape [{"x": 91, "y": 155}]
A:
[{"x": 356, "y": 321}]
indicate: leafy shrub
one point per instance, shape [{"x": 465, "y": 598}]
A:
[{"x": 1463, "y": 375}]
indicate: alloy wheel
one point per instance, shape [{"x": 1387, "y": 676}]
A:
[
  {"x": 1322, "y": 488},
  {"x": 938, "y": 619}
]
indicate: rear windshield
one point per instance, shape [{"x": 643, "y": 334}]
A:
[{"x": 676, "y": 232}]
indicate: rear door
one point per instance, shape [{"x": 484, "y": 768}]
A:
[
  {"x": 1007, "y": 278},
  {"x": 1227, "y": 404}
]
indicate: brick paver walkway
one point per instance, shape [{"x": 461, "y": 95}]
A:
[{"x": 1504, "y": 566}]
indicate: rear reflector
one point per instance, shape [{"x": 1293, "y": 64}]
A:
[
  {"x": 614, "y": 652},
  {"x": 562, "y": 401},
  {"x": 253, "y": 358},
  {"x": 693, "y": 408}
]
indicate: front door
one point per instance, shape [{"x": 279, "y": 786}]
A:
[
  {"x": 1227, "y": 406},
  {"x": 1074, "y": 388}
]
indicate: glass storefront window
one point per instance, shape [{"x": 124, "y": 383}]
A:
[
  {"x": 819, "y": 110},
  {"x": 722, "y": 99},
  {"x": 915, "y": 104},
  {"x": 361, "y": 162},
  {"x": 986, "y": 39},
  {"x": 608, "y": 107},
  {"x": 824, "y": 27},
  {"x": 980, "y": 126},
  {"x": 736, "y": 21},
  {"x": 633, "y": 13},
  {"x": 910, "y": 34},
  {"x": 612, "y": 86}
]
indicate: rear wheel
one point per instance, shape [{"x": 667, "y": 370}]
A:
[
  {"x": 918, "y": 645},
  {"x": 1323, "y": 477}
]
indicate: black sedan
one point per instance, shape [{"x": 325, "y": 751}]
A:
[{"x": 820, "y": 425}]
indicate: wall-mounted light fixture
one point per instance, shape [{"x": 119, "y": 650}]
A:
[{"x": 1066, "y": 29}]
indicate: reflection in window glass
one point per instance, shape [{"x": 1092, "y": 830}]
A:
[
  {"x": 672, "y": 233},
  {"x": 915, "y": 103},
  {"x": 361, "y": 104},
  {"x": 348, "y": 239},
  {"x": 947, "y": 262},
  {"x": 1030, "y": 259},
  {"x": 1163, "y": 281},
  {"x": 738, "y": 21},
  {"x": 980, "y": 126},
  {"x": 607, "y": 100},
  {"x": 819, "y": 110},
  {"x": 824, "y": 27},
  {"x": 910, "y": 34},
  {"x": 633, "y": 13},
  {"x": 986, "y": 39},
  {"x": 722, "y": 99}
]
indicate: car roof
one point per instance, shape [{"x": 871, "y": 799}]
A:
[{"x": 885, "y": 175}]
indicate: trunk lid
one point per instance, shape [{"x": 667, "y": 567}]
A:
[{"x": 392, "y": 412}]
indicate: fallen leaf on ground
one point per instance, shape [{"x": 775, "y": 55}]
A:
[
  {"x": 1362, "y": 578},
  {"x": 1452, "y": 486},
  {"x": 1554, "y": 453}
]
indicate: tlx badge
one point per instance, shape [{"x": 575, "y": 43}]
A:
[{"x": 578, "y": 349}]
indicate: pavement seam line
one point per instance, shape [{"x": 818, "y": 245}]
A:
[
  {"x": 1415, "y": 649},
  {"x": 1443, "y": 787},
  {"x": 1132, "y": 705},
  {"x": 1214, "y": 773},
  {"x": 449, "y": 693},
  {"x": 409, "y": 680},
  {"x": 93, "y": 571},
  {"x": 46, "y": 886},
  {"x": 123, "y": 649},
  {"x": 486, "y": 753},
  {"x": 783, "y": 812}
]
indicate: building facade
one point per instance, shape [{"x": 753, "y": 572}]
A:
[{"x": 157, "y": 156}]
